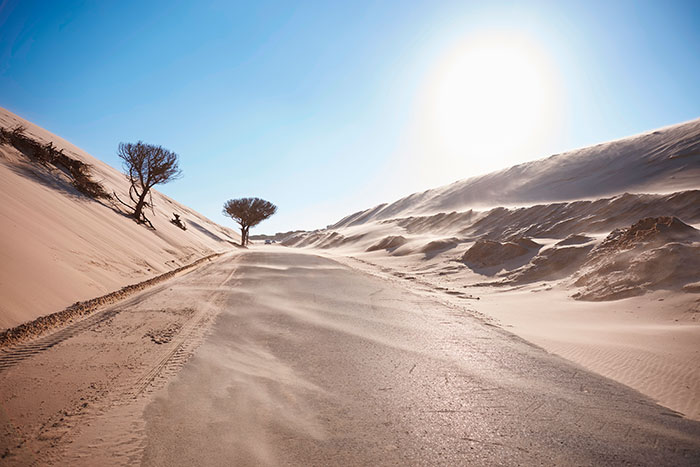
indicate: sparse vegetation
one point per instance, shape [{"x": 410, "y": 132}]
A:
[
  {"x": 48, "y": 155},
  {"x": 146, "y": 165},
  {"x": 248, "y": 212}
]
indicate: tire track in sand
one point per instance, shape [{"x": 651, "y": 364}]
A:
[{"x": 140, "y": 370}]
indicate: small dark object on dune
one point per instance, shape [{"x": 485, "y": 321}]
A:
[{"x": 178, "y": 222}]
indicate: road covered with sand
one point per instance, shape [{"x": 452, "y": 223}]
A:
[{"x": 279, "y": 356}]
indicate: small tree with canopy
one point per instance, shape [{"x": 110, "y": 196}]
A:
[
  {"x": 146, "y": 165},
  {"x": 248, "y": 212}
]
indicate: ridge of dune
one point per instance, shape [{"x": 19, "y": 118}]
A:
[
  {"x": 58, "y": 246},
  {"x": 663, "y": 160},
  {"x": 661, "y": 252},
  {"x": 553, "y": 220}
]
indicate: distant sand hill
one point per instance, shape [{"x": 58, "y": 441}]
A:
[
  {"x": 502, "y": 226},
  {"x": 592, "y": 254},
  {"x": 661, "y": 161}
]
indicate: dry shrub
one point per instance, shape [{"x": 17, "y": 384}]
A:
[{"x": 48, "y": 155}]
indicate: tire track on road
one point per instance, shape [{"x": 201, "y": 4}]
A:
[{"x": 140, "y": 369}]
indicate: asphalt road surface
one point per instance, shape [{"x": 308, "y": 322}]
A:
[
  {"x": 313, "y": 363},
  {"x": 309, "y": 362}
]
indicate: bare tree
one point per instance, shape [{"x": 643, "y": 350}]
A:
[
  {"x": 146, "y": 165},
  {"x": 248, "y": 212}
]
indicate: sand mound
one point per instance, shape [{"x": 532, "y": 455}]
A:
[
  {"x": 653, "y": 253},
  {"x": 629, "y": 273},
  {"x": 485, "y": 253},
  {"x": 436, "y": 247},
  {"x": 320, "y": 239},
  {"x": 559, "y": 220},
  {"x": 389, "y": 243},
  {"x": 300, "y": 239},
  {"x": 551, "y": 264},
  {"x": 555, "y": 220},
  {"x": 656, "y": 230},
  {"x": 335, "y": 239},
  {"x": 575, "y": 239},
  {"x": 566, "y": 221}
]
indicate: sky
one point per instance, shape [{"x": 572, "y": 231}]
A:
[{"x": 326, "y": 108}]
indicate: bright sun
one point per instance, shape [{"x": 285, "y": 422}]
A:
[{"x": 491, "y": 103}]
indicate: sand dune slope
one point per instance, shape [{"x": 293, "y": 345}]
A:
[
  {"x": 58, "y": 246},
  {"x": 664, "y": 160},
  {"x": 593, "y": 254}
]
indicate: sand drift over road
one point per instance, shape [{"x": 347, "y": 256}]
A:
[
  {"x": 59, "y": 246},
  {"x": 537, "y": 245},
  {"x": 83, "y": 393},
  {"x": 312, "y": 363},
  {"x": 308, "y": 362},
  {"x": 383, "y": 339}
]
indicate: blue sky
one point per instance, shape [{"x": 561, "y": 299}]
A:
[{"x": 325, "y": 108}]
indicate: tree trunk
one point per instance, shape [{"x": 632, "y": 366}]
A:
[
  {"x": 138, "y": 210},
  {"x": 243, "y": 235}
]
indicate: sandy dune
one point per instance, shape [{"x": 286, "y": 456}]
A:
[
  {"x": 614, "y": 221},
  {"x": 104, "y": 368},
  {"x": 58, "y": 246},
  {"x": 664, "y": 160},
  {"x": 310, "y": 362},
  {"x": 385, "y": 338}
]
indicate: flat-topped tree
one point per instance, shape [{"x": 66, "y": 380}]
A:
[
  {"x": 146, "y": 165},
  {"x": 248, "y": 212}
]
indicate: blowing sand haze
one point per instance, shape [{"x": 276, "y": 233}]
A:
[{"x": 487, "y": 248}]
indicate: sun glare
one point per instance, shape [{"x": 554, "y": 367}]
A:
[{"x": 491, "y": 103}]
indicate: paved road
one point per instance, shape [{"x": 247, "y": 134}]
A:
[{"x": 313, "y": 363}]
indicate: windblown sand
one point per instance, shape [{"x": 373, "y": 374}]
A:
[
  {"x": 515, "y": 246},
  {"x": 58, "y": 246},
  {"x": 593, "y": 254}
]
